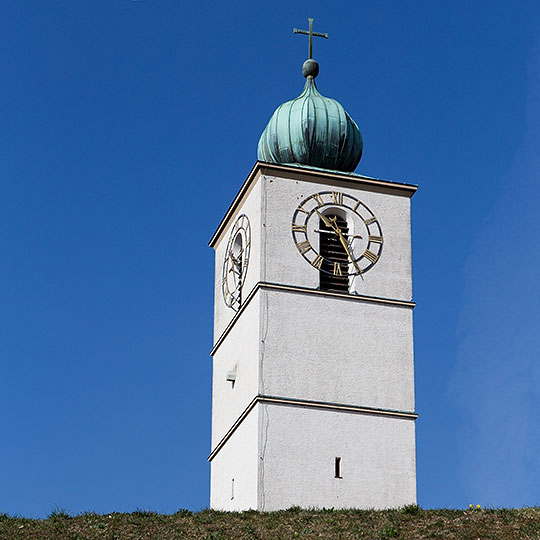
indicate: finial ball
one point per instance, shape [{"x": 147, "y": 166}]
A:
[{"x": 310, "y": 68}]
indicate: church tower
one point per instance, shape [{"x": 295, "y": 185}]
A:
[{"x": 313, "y": 375}]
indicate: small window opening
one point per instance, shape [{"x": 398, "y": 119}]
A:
[
  {"x": 232, "y": 489},
  {"x": 333, "y": 273},
  {"x": 237, "y": 254},
  {"x": 337, "y": 468}
]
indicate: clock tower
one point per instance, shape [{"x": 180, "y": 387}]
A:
[{"x": 313, "y": 376}]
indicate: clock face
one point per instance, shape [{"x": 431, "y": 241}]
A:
[
  {"x": 337, "y": 233},
  {"x": 236, "y": 262}
]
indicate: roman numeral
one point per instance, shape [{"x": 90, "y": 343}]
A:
[
  {"x": 317, "y": 262},
  {"x": 300, "y": 209},
  {"x": 377, "y": 239},
  {"x": 370, "y": 220},
  {"x": 299, "y": 228},
  {"x": 317, "y": 197},
  {"x": 337, "y": 197},
  {"x": 303, "y": 246},
  {"x": 356, "y": 206},
  {"x": 337, "y": 269},
  {"x": 369, "y": 255}
]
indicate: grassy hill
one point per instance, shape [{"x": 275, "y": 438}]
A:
[{"x": 409, "y": 523}]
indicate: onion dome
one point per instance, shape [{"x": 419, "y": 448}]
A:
[{"x": 312, "y": 130}]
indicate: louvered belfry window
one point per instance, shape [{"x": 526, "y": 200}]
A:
[{"x": 333, "y": 251}]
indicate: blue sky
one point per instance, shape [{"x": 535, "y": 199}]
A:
[{"x": 127, "y": 129}]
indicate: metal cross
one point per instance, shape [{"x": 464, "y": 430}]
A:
[{"x": 310, "y": 33}]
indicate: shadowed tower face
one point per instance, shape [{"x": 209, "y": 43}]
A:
[{"x": 313, "y": 377}]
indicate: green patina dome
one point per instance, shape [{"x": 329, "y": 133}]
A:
[{"x": 312, "y": 130}]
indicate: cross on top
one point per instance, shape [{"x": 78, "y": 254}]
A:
[{"x": 310, "y": 33}]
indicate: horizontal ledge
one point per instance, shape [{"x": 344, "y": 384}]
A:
[
  {"x": 355, "y": 178},
  {"x": 339, "y": 407},
  {"x": 235, "y": 318},
  {"x": 347, "y": 296},
  {"x": 234, "y": 427},
  {"x": 305, "y": 403},
  {"x": 306, "y": 290}
]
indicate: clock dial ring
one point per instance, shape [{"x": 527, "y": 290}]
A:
[
  {"x": 236, "y": 261},
  {"x": 363, "y": 245}
]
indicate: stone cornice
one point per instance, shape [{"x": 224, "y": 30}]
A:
[
  {"x": 307, "y": 174},
  {"x": 305, "y": 290},
  {"x": 305, "y": 403}
]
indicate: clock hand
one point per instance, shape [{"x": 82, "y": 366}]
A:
[
  {"x": 331, "y": 222},
  {"x": 344, "y": 243},
  {"x": 236, "y": 267},
  {"x": 326, "y": 221}
]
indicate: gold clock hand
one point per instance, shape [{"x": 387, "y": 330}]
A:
[
  {"x": 350, "y": 255},
  {"x": 331, "y": 222},
  {"x": 345, "y": 245},
  {"x": 326, "y": 221}
]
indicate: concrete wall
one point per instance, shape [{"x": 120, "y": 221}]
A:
[
  {"x": 300, "y": 446},
  {"x": 337, "y": 350},
  {"x": 240, "y": 351},
  {"x": 320, "y": 348},
  {"x": 237, "y": 460}
]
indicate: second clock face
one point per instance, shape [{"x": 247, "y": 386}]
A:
[
  {"x": 235, "y": 263},
  {"x": 337, "y": 233}
]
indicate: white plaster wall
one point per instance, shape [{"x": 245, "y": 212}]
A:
[
  {"x": 317, "y": 348},
  {"x": 240, "y": 349},
  {"x": 237, "y": 459},
  {"x": 252, "y": 209},
  {"x": 300, "y": 446},
  {"x": 282, "y": 263},
  {"x": 337, "y": 350}
]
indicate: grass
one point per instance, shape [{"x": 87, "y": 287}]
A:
[{"x": 410, "y": 523}]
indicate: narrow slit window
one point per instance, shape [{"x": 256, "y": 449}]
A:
[
  {"x": 232, "y": 489},
  {"x": 337, "y": 467},
  {"x": 237, "y": 255},
  {"x": 333, "y": 275}
]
